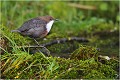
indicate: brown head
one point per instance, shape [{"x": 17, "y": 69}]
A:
[{"x": 47, "y": 18}]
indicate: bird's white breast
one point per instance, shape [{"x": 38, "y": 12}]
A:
[{"x": 49, "y": 25}]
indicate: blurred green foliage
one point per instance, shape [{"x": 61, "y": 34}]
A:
[
  {"x": 72, "y": 20},
  {"x": 17, "y": 12}
]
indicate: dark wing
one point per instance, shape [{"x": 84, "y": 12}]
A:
[
  {"x": 33, "y": 23},
  {"x": 36, "y": 32}
]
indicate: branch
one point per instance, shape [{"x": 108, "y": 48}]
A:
[{"x": 62, "y": 40}]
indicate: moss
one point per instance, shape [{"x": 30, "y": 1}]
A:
[
  {"x": 94, "y": 74},
  {"x": 87, "y": 69},
  {"x": 85, "y": 52},
  {"x": 113, "y": 63},
  {"x": 57, "y": 68},
  {"x": 13, "y": 37},
  {"x": 107, "y": 71}
]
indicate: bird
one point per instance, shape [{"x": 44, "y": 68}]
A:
[{"x": 37, "y": 27}]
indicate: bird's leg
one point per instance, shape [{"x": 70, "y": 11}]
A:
[
  {"x": 36, "y": 42},
  {"x": 48, "y": 52}
]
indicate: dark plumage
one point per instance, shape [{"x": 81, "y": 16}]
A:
[{"x": 36, "y": 27}]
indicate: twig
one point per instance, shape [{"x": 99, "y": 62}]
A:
[{"x": 82, "y": 6}]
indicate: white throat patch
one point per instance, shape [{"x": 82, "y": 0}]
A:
[{"x": 49, "y": 25}]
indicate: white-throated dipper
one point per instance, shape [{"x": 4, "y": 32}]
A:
[{"x": 37, "y": 27}]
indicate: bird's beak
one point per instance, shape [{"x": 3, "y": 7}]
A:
[{"x": 56, "y": 19}]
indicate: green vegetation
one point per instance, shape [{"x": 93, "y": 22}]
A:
[{"x": 69, "y": 60}]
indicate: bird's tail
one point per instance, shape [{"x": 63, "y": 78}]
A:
[{"x": 15, "y": 31}]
